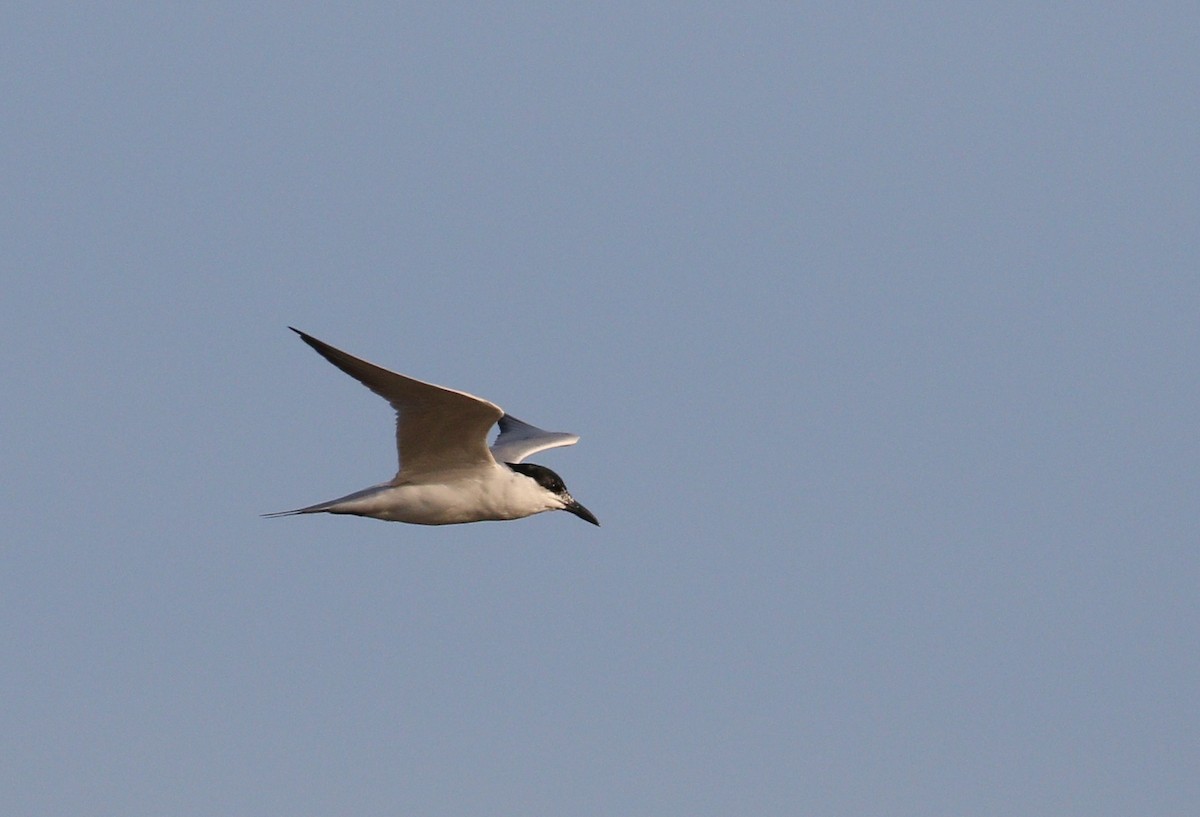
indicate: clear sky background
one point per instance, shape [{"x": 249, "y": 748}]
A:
[{"x": 879, "y": 322}]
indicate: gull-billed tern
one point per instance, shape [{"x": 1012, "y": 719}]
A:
[{"x": 448, "y": 474}]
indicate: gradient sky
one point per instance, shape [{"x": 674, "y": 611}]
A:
[{"x": 879, "y": 323}]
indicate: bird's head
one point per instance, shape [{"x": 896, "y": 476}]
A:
[{"x": 557, "y": 492}]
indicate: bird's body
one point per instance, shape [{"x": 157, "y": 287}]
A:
[
  {"x": 467, "y": 495},
  {"x": 448, "y": 474}
]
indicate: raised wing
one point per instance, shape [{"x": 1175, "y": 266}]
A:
[
  {"x": 436, "y": 428},
  {"x": 519, "y": 440}
]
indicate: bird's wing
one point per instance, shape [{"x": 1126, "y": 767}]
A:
[
  {"x": 436, "y": 428},
  {"x": 519, "y": 440}
]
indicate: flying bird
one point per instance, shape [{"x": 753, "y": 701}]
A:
[{"x": 448, "y": 474}]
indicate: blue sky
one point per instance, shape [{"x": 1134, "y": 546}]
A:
[{"x": 878, "y": 323}]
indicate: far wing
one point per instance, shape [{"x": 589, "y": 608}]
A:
[
  {"x": 519, "y": 440},
  {"x": 436, "y": 428}
]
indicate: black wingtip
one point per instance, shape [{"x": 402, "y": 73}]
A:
[{"x": 309, "y": 339}]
